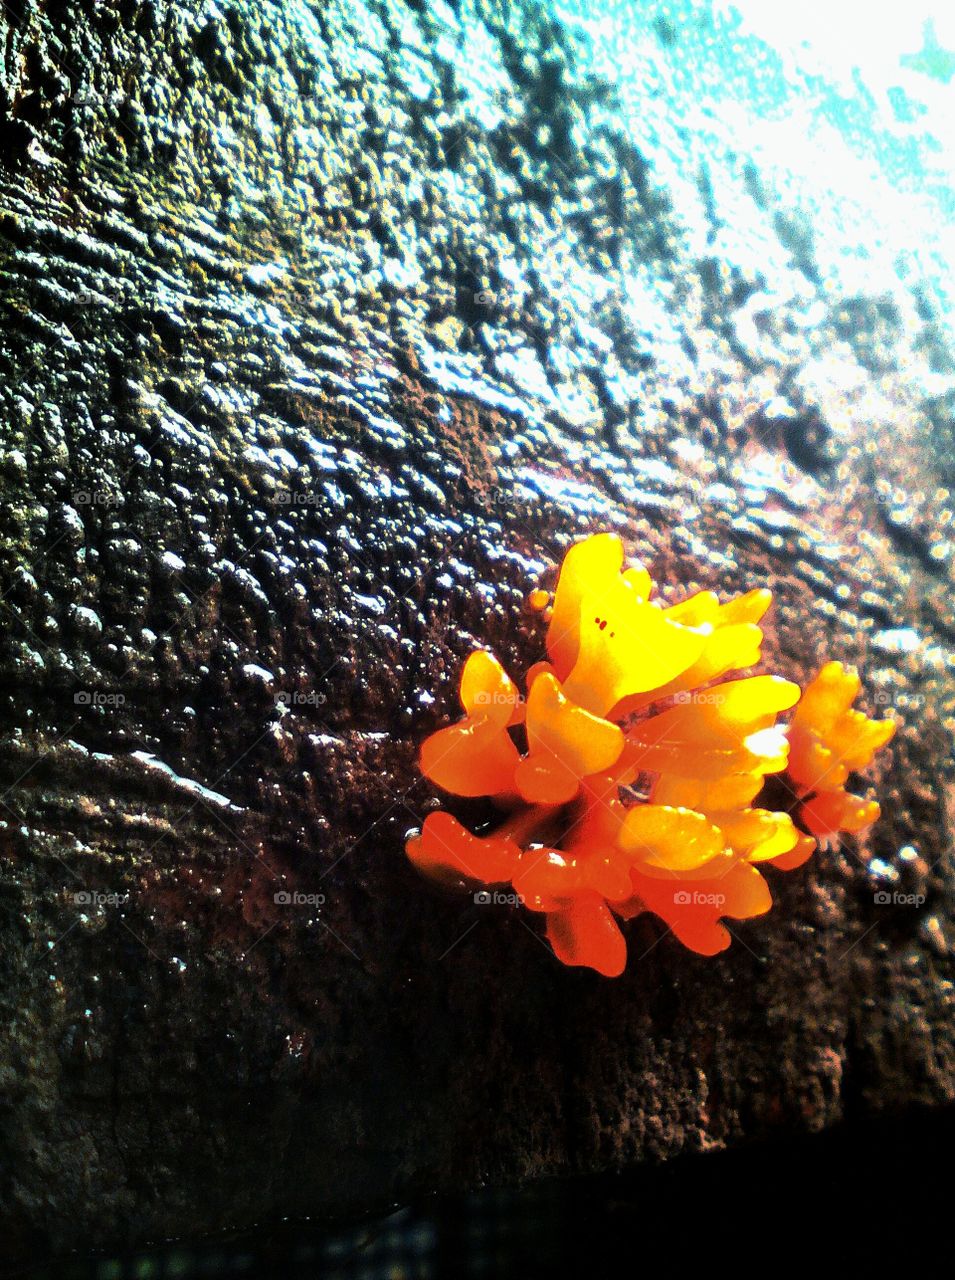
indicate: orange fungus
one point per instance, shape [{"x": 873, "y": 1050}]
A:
[{"x": 635, "y": 776}]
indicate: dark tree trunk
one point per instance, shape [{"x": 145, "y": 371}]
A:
[{"x": 324, "y": 328}]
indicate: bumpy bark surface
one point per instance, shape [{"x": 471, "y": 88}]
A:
[{"x": 325, "y": 328}]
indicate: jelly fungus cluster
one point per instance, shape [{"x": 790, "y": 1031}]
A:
[{"x": 629, "y": 778}]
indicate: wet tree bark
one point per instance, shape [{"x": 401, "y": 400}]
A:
[{"x": 324, "y": 329}]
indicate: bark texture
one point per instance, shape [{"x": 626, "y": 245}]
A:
[{"x": 324, "y": 329}]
